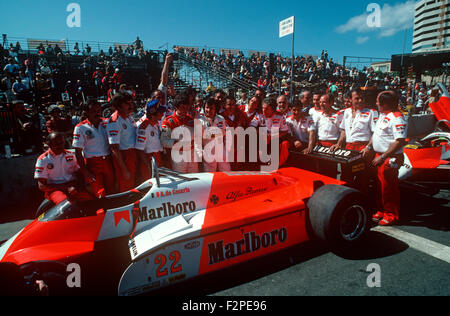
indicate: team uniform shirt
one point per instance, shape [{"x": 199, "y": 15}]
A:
[
  {"x": 300, "y": 129},
  {"x": 390, "y": 127},
  {"x": 148, "y": 137},
  {"x": 360, "y": 127},
  {"x": 121, "y": 131},
  {"x": 172, "y": 122},
  {"x": 57, "y": 169},
  {"x": 245, "y": 110},
  {"x": 210, "y": 130},
  {"x": 93, "y": 141},
  {"x": 327, "y": 126},
  {"x": 276, "y": 121},
  {"x": 315, "y": 114}
]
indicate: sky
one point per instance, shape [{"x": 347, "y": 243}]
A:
[{"x": 340, "y": 27}]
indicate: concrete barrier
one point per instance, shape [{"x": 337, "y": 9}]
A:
[{"x": 19, "y": 194}]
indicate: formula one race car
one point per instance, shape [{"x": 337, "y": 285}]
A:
[{"x": 175, "y": 227}]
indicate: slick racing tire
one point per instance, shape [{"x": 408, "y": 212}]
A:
[
  {"x": 44, "y": 207},
  {"x": 338, "y": 215}
]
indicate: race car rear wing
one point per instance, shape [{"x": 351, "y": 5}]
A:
[{"x": 157, "y": 171}]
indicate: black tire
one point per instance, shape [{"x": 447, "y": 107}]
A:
[
  {"x": 339, "y": 216},
  {"x": 44, "y": 207}
]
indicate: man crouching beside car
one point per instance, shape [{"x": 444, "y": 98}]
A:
[{"x": 56, "y": 172}]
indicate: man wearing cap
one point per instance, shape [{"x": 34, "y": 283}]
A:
[
  {"x": 56, "y": 172},
  {"x": 121, "y": 130},
  {"x": 180, "y": 122},
  {"x": 91, "y": 144},
  {"x": 148, "y": 143}
]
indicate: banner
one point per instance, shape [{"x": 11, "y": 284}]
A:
[{"x": 287, "y": 26}]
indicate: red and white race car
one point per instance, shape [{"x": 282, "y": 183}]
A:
[{"x": 175, "y": 227}]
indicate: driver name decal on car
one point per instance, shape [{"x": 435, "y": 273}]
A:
[
  {"x": 166, "y": 210},
  {"x": 251, "y": 242}
]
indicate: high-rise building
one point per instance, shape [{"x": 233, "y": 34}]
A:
[{"x": 431, "y": 26}]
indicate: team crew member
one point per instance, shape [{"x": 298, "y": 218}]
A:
[
  {"x": 56, "y": 172},
  {"x": 283, "y": 106},
  {"x": 212, "y": 126},
  {"x": 270, "y": 119},
  {"x": 121, "y": 129},
  {"x": 302, "y": 129},
  {"x": 180, "y": 119},
  {"x": 328, "y": 122},
  {"x": 251, "y": 109},
  {"x": 148, "y": 143},
  {"x": 316, "y": 110},
  {"x": 91, "y": 143},
  {"x": 388, "y": 141},
  {"x": 357, "y": 125}
]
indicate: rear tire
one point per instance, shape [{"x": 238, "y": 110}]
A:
[{"x": 339, "y": 216}]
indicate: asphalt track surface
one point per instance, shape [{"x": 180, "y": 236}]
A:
[{"x": 412, "y": 258}]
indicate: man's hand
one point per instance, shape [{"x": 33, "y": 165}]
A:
[
  {"x": 335, "y": 147},
  {"x": 366, "y": 152},
  {"x": 378, "y": 161}
]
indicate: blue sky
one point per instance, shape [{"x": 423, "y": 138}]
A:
[{"x": 337, "y": 26}]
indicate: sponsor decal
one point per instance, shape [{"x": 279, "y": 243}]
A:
[
  {"x": 214, "y": 199},
  {"x": 246, "y": 173},
  {"x": 170, "y": 193},
  {"x": 118, "y": 216},
  {"x": 400, "y": 127},
  {"x": 50, "y": 166},
  {"x": 239, "y": 194},
  {"x": 357, "y": 168},
  {"x": 192, "y": 245},
  {"x": 69, "y": 158},
  {"x": 251, "y": 242},
  {"x": 165, "y": 210}
]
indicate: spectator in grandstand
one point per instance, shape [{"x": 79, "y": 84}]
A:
[
  {"x": 27, "y": 136},
  {"x": 11, "y": 69},
  {"x": 76, "y": 49},
  {"x": 58, "y": 122}
]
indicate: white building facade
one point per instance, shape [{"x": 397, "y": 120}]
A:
[{"x": 431, "y": 26}]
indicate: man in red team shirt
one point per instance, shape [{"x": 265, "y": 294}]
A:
[{"x": 180, "y": 121}]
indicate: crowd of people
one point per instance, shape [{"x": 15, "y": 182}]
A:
[{"x": 89, "y": 156}]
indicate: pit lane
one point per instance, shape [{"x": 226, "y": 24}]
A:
[{"x": 311, "y": 269}]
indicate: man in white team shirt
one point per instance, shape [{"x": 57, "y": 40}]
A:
[
  {"x": 121, "y": 129},
  {"x": 283, "y": 106},
  {"x": 327, "y": 124},
  {"x": 357, "y": 125},
  {"x": 56, "y": 172},
  {"x": 301, "y": 127},
  {"x": 271, "y": 119},
  {"x": 148, "y": 143},
  {"x": 316, "y": 110},
  {"x": 388, "y": 141},
  {"x": 213, "y": 137},
  {"x": 91, "y": 144}
]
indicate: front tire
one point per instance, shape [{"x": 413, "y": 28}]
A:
[{"x": 339, "y": 215}]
